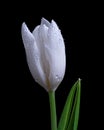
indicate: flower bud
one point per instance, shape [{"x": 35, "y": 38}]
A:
[{"x": 45, "y": 53}]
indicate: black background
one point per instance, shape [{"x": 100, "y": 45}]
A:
[{"x": 25, "y": 103}]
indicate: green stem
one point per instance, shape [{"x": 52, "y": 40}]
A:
[{"x": 53, "y": 110}]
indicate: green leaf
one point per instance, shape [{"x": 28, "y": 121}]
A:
[
  {"x": 73, "y": 122},
  {"x": 66, "y": 114}
]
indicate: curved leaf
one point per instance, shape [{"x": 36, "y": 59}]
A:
[
  {"x": 66, "y": 114},
  {"x": 73, "y": 122}
]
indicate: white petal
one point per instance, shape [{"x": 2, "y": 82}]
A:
[
  {"x": 33, "y": 56},
  {"x": 27, "y": 36},
  {"x": 40, "y": 34},
  {"x": 57, "y": 63},
  {"x": 34, "y": 63},
  {"x": 36, "y": 36},
  {"x": 35, "y": 31},
  {"x": 46, "y": 22},
  {"x": 54, "y": 36},
  {"x": 54, "y": 25},
  {"x": 43, "y": 33},
  {"x": 55, "y": 53}
]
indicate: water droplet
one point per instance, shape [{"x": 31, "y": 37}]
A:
[
  {"x": 60, "y": 40},
  {"x": 58, "y": 78},
  {"x": 37, "y": 57}
]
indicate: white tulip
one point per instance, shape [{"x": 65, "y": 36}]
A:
[{"x": 45, "y": 52}]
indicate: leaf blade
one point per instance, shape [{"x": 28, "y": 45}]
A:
[
  {"x": 77, "y": 106},
  {"x": 73, "y": 123},
  {"x": 66, "y": 113}
]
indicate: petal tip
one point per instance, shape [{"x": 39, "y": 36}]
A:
[
  {"x": 27, "y": 36},
  {"x": 54, "y": 25},
  {"x": 44, "y": 21},
  {"x": 24, "y": 26}
]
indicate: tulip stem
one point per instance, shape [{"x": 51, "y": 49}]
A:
[{"x": 53, "y": 110}]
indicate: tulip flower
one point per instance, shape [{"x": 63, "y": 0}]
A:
[{"x": 45, "y": 52}]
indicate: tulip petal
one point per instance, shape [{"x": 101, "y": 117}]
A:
[
  {"x": 27, "y": 36},
  {"x": 55, "y": 38},
  {"x": 43, "y": 31},
  {"x": 40, "y": 34},
  {"x": 55, "y": 53},
  {"x": 57, "y": 67},
  {"x": 33, "y": 56},
  {"x": 46, "y": 22}
]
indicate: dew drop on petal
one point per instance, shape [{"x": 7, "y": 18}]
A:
[
  {"x": 60, "y": 40},
  {"x": 57, "y": 77},
  {"x": 36, "y": 57}
]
